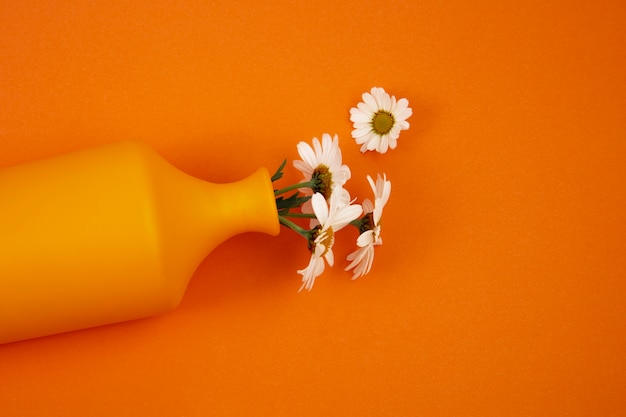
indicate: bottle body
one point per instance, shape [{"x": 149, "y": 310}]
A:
[{"x": 111, "y": 234}]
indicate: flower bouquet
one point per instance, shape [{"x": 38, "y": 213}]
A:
[{"x": 377, "y": 122}]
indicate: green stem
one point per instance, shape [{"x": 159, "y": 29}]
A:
[
  {"x": 356, "y": 223},
  {"x": 288, "y": 223},
  {"x": 309, "y": 184},
  {"x": 301, "y": 215}
]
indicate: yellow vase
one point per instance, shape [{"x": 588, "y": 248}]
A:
[{"x": 111, "y": 234}]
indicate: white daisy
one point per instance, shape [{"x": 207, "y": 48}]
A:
[
  {"x": 340, "y": 194},
  {"x": 331, "y": 219},
  {"x": 361, "y": 259},
  {"x": 322, "y": 165},
  {"x": 378, "y": 120}
]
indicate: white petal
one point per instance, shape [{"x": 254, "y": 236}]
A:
[
  {"x": 345, "y": 215},
  {"x": 362, "y": 260},
  {"x": 340, "y": 211},
  {"x": 404, "y": 125},
  {"x": 365, "y": 238},
  {"x": 383, "y": 144},
  {"x": 402, "y": 114},
  {"x": 386, "y": 189},
  {"x": 395, "y": 131},
  {"x": 377, "y": 214},
  {"x": 332, "y": 153},
  {"x": 360, "y": 117},
  {"x": 378, "y": 94},
  {"x": 307, "y": 154},
  {"x": 317, "y": 148},
  {"x": 368, "y": 206},
  {"x": 370, "y": 101},
  {"x": 343, "y": 196},
  {"x": 314, "y": 269},
  {"x": 341, "y": 176},
  {"x": 373, "y": 185},
  {"x": 361, "y": 131},
  {"x": 392, "y": 107},
  {"x": 374, "y": 142},
  {"x": 330, "y": 257},
  {"x": 385, "y": 102},
  {"x": 360, "y": 125},
  {"x": 303, "y": 167},
  {"x": 355, "y": 256},
  {"x": 367, "y": 109},
  {"x": 382, "y": 187},
  {"x": 319, "y": 250},
  {"x": 362, "y": 139},
  {"x": 403, "y": 106},
  {"x": 320, "y": 208},
  {"x": 393, "y": 142}
]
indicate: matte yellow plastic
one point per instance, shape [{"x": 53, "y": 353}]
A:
[{"x": 110, "y": 234}]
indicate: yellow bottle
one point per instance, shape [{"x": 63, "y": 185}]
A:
[{"x": 110, "y": 234}]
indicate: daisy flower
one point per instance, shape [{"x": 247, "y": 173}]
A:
[
  {"x": 332, "y": 217},
  {"x": 361, "y": 259},
  {"x": 321, "y": 166},
  {"x": 378, "y": 120}
]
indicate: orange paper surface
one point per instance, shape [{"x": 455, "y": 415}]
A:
[{"x": 499, "y": 290}]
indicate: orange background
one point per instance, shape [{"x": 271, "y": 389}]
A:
[{"x": 499, "y": 290}]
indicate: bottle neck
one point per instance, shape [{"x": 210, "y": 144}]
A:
[
  {"x": 197, "y": 215},
  {"x": 247, "y": 205}
]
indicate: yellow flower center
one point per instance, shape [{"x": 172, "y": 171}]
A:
[
  {"x": 382, "y": 122},
  {"x": 324, "y": 238},
  {"x": 323, "y": 179}
]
